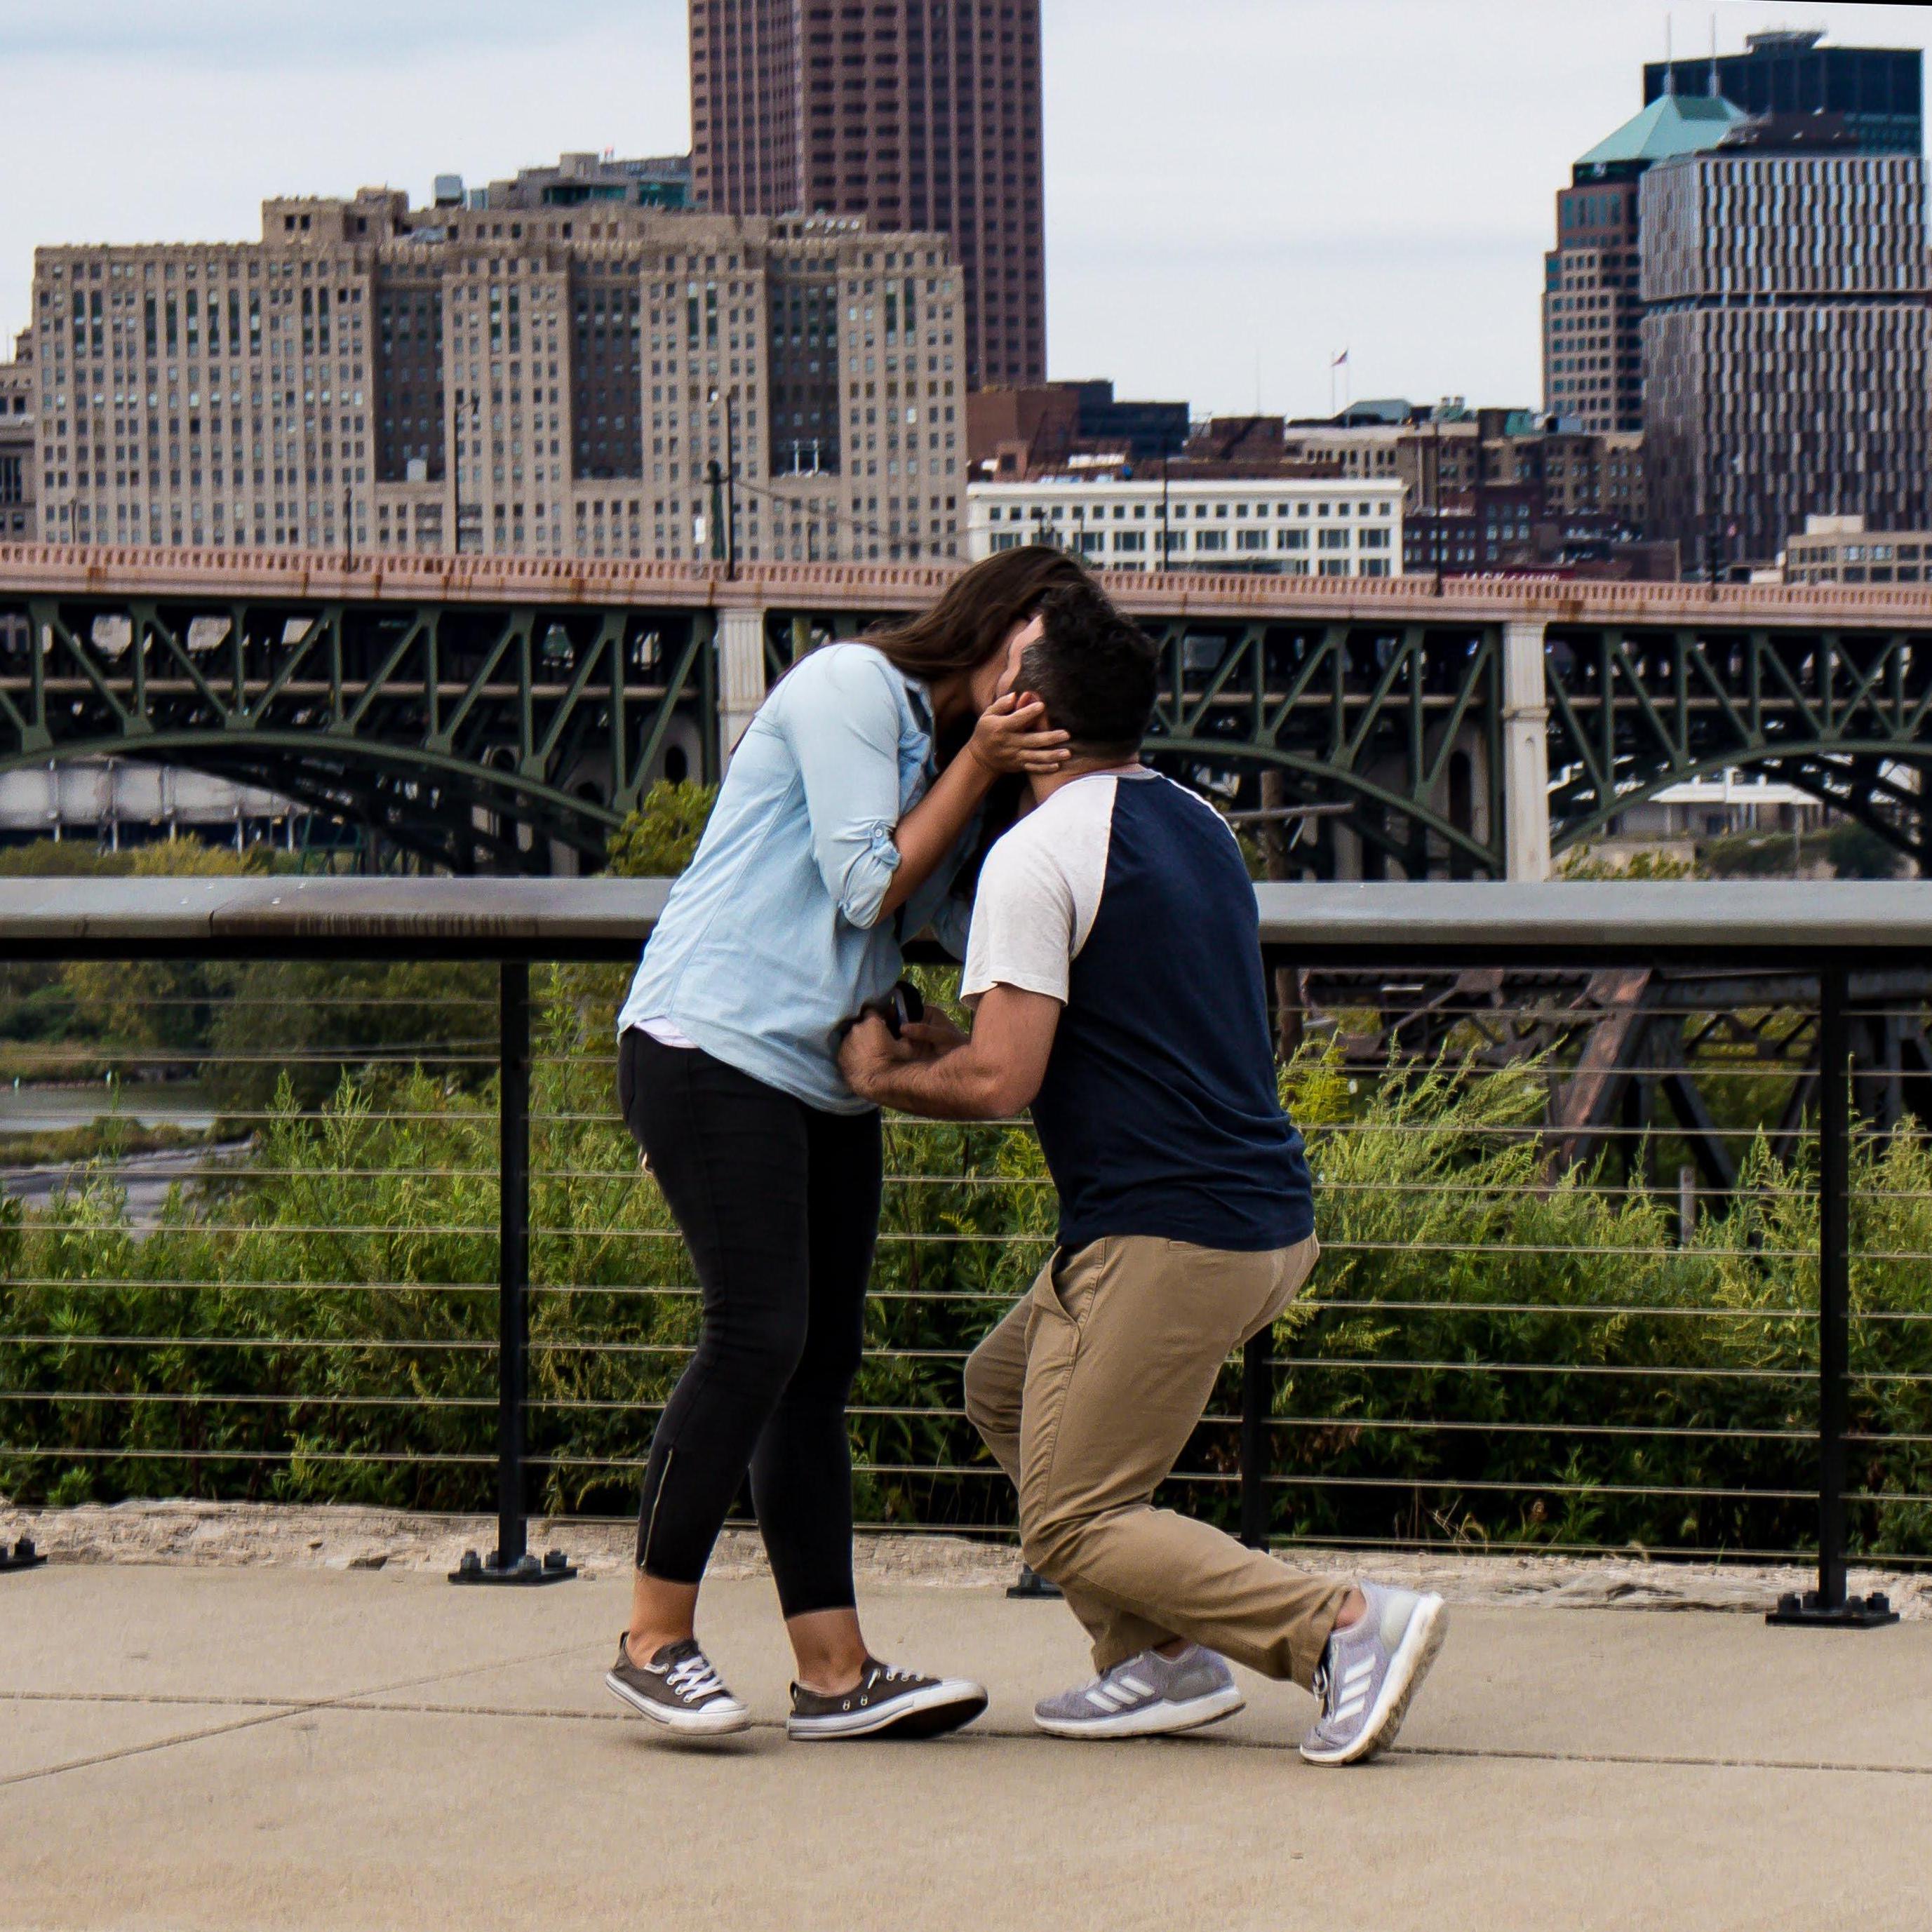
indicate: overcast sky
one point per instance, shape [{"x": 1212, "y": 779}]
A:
[{"x": 1236, "y": 190}]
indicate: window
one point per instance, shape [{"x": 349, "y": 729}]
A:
[
  {"x": 1373, "y": 539},
  {"x": 1210, "y": 540},
  {"x": 1090, "y": 543},
  {"x": 1374, "y": 566},
  {"x": 1291, "y": 539},
  {"x": 1334, "y": 566},
  {"x": 1130, "y": 540},
  {"x": 1333, "y": 540},
  {"x": 1251, "y": 539}
]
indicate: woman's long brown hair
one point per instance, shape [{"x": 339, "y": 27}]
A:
[{"x": 980, "y": 610}]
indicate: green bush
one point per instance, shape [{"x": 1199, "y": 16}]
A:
[{"x": 1484, "y": 1353}]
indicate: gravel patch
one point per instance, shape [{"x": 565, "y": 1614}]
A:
[{"x": 240, "y": 1535}]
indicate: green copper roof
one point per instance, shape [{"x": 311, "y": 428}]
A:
[{"x": 1673, "y": 123}]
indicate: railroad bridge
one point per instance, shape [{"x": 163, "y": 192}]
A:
[{"x": 503, "y": 714}]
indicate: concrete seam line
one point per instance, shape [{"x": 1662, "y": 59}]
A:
[
  {"x": 371, "y": 1702},
  {"x": 154, "y": 1744},
  {"x": 274, "y": 1716},
  {"x": 1659, "y": 1761}
]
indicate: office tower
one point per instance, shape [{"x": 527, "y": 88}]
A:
[
  {"x": 553, "y": 381},
  {"x": 922, "y": 115},
  {"x": 1785, "y": 343},
  {"x": 1880, "y": 92},
  {"x": 1592, "y": 348}
]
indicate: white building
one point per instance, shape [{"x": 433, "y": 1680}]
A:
[{"x": 1271, "y": 525}]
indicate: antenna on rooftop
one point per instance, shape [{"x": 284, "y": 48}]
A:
[{"x": 1670, "y": 66}]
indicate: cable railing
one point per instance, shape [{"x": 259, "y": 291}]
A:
[{"x": 401, "y": 1258}]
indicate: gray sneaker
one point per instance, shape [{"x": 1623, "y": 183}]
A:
[
  {"x": 1369, "y": 1672},
  {"x": 677, "y": 1689},
  {"x": 1145, "y": 1696}
]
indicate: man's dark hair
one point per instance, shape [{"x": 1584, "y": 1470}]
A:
[{"x": 1096, "y": 672}]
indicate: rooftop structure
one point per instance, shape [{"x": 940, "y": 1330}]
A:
[
  {"x": 579, "y": 180},
  {"x": 1879, "y": 90}
]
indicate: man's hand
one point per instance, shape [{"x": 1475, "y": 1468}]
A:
[
  {"x": 936, "y": 1033},
  {"x": 934, "y": 1070},
  {"x": 867, "y": 1051}
]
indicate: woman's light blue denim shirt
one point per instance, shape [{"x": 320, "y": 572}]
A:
[{"x": 773, "y": 934}]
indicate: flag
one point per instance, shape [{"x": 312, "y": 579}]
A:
[{"x": 1339, "y": 360}]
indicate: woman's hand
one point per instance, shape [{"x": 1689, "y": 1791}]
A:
[{"x": 1012, "y": 736}]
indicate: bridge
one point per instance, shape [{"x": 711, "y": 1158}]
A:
[{"x": 504, "y": 714}]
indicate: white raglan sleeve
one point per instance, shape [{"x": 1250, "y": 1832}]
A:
[{"x": 1024, "y": 919}]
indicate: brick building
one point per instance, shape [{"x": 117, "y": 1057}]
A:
[
  {"x": 19, "y": 473},
  {"x": 555, "y": 381},
  {"x": 1592, "y": 313}
]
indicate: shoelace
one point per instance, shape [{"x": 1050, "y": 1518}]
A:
[
  {"x": 1320, "y": 1684},
  {"x": 694, "y": 1679}
]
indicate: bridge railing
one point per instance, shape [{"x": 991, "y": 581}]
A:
[{"x": 394, "y": 1246}]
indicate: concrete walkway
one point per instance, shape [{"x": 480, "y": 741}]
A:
[{"x": 258, "y": 1748}]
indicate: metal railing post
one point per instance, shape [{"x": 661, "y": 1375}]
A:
[
  {"x": 513, "y": 1263},
  {"x": 1257, "y": 1406},
  {"x": 511, "y": 1562},
  {"x": 1828, "y": 1603}
]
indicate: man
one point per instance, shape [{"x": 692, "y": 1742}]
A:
[{"x": 1115, "y": 971}]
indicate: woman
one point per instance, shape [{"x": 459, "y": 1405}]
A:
[{"x": 838, "y": 832}]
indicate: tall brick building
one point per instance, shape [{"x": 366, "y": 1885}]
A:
[
  {"x": 922, "y": 115},
  {"x": 1592, "y": 313}
]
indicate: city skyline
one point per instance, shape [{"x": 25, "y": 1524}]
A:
[{"x": 1216, "y": 230}]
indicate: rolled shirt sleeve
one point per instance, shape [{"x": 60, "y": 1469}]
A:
[{"x": 844, "y": 725}]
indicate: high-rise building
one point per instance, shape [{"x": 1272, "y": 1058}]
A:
[
  {"x": 19, "y": 473},
  {"x": 1787, "y": 341},
  {"x": 922, "y": 115},
  {"x": 1592, "y": 348},
  {"x": 559, "y": 380},
  {"x": 1879, "y": 90}
]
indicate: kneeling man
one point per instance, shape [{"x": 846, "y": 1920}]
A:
[{"x": 1115, "y": 975}]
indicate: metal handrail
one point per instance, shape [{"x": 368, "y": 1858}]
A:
[{"x": 1824, "y": 929}]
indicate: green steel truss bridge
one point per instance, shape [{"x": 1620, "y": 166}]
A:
[{"x": 503, "y": 714}]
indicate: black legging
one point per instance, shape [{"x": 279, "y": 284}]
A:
[{"x": 779, "y": 1205}]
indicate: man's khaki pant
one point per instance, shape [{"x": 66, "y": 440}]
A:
[{"x": 1086, "y": 1392}]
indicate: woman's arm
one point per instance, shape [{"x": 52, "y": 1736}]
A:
[{"x": 843, "y": 730}]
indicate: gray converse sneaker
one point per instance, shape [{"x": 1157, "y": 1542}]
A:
[
  {"x": 1369, "y": 1672},
  {"x": 885, "y": 1702},
  {"x": 678, "y": 1689},
  {"x": 1144, "y": 1697}
]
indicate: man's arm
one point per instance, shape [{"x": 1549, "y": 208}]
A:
[{"x": 994, "y": 1073}]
